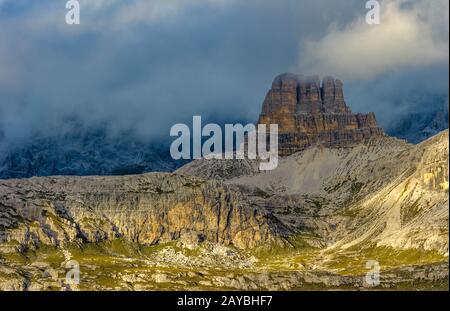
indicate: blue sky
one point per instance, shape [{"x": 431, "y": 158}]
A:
[{"x": 145, "y": 65}]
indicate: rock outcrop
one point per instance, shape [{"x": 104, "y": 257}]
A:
[
  {"x": 309, "y": 111},
  {"x": 146, "y": 209}
]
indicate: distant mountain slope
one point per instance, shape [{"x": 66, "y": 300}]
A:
[
  {"x": 85, "y": 153},
  {"x": 417, "y": 126}
]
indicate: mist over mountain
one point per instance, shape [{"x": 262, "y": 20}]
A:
[
  {"x": 146, "y": 65},
  {"x": 128, "y": 80},
  {"x": 81, "y": 150},
  {"x": 422, "y": 123}
]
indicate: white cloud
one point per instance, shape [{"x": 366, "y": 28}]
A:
[{"x": 411, "y": 34}]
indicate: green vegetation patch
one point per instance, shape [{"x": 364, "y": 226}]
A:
[{"x": 353, "y": 261}]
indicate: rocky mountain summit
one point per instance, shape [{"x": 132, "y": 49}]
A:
[{"x": 309, "y": 111}]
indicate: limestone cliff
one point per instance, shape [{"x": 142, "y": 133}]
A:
[
  {"x": 147, "y": 209},
  {"x": 309, "y": 112}
]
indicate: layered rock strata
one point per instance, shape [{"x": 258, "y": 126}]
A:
[
  {"x": 146, "y": 209},
  {"x": 309, "y": 111}
]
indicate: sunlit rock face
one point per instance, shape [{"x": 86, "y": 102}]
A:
[
  {"x": 147, "y": 209},
  {"x": 310, "y": 111}
]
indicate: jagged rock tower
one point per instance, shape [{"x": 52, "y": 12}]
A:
[{"x": 309, "y": 112}]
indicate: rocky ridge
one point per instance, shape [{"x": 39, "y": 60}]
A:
[{"x": 146, "y": 209}]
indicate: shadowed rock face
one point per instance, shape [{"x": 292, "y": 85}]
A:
[
  {"x": 309, "y": 111},
  {"x": 147, "y": 209}
]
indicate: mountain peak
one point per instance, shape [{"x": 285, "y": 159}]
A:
[{"x": 309, "y": 110}]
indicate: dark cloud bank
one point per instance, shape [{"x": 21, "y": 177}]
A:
[{"x": 143, "y": 73}]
